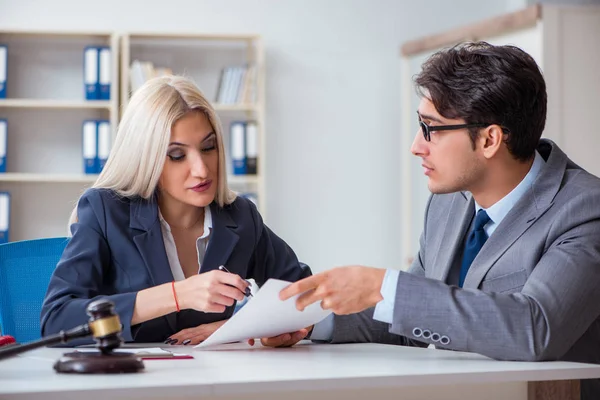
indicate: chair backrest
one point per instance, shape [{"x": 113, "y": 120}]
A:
[{"x": 25, "y": 271}]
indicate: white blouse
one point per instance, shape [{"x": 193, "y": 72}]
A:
[{"x": 171, "y": 250}]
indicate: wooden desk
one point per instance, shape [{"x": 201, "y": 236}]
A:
[{"x": 307, "y": 371}]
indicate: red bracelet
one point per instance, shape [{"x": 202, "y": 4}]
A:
[{"x": 175, "y": 296}]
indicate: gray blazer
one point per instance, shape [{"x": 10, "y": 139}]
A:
[{"x": 532, "y": 292}]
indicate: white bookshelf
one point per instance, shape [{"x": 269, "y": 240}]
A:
[
  {"x": 45, "y": 109},
  {"x": 202, "y": 57},
  {"x": 55, "y": 104}
]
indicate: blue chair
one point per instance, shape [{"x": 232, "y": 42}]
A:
[{"x": 25, "y": 271}]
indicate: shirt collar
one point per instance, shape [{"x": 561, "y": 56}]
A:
[
  {"x": 500, "y": 209},
  {"x": 208, "y": 224}
]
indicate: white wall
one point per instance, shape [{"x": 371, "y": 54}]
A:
[{"x": 333, "y": 98}]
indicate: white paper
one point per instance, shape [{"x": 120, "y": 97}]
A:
[
  {"x": 155, "y": 351},
  {"x": 265, "y": 315}
]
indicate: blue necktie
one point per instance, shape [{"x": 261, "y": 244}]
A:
[{"x": 475, "y": 242}]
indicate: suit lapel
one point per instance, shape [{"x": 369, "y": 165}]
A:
[
  {"x": 149, "y": 242},
  {"x": 459, "y": 218},
  {"x": 222, "y": 241},
  {"x": 534, "y": 203}
]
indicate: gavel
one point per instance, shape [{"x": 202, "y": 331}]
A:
[{"x": 104, "y": 326}]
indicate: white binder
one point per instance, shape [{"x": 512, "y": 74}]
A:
[
  {"x": 3, "y": 144},
  {"x": 251, "y": 147},
  {"x": 90, "y": 147},
  {"x": 103, "y": 143},
  {"x": 4, "y": 217},
  {"x": 238, "y": 148},
  {"x": 90, "y": 73},
  {"x": 3, "y": 70},
  {"x": 104, "y": 79}
]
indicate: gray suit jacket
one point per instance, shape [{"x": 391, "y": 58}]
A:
[{"x": 532, "y": 292}]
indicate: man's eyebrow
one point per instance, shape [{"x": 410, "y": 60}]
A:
[{"x": 429, "y": 117}]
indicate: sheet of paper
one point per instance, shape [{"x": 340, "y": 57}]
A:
[
  {"x": 150, "y": 351},
  {"x": 265, "y": 315}
]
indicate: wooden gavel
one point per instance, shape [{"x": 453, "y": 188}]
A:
[{"x": 105, "y": 327}]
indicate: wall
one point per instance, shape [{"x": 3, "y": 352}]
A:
[{"x": 333, "y": 98}]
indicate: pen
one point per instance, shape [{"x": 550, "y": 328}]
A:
[{"x": 248, "y": 291}]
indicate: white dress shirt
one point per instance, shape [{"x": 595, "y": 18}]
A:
[{"x": 171, "y": 249}]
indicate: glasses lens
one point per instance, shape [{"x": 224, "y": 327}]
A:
[{"x": 424, "y": 130}]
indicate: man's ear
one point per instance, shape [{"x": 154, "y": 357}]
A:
[{"x": 490, "y": 139}]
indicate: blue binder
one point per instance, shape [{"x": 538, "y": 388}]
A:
[
  {"x": 90, "y": 72},
  {"x": 3, "y": 144},
  {"x": 3, "y": 70},
  {"x": 251, "y": 148},
  {"x": 90, "y": 147},
  {"x": 104, "y": 76},
  {"x": 4, "y": 217},
  {"x": 103, "y": 144},
  {"x": 237, "y": 131}
]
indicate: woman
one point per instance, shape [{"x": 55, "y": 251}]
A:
[{"x": 153, "y": 230}]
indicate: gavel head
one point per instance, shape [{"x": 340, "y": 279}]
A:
[{"x": 105, "y": 325}]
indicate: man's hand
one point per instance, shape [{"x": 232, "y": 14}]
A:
[
  {"x": 195, "y": 335},
  {"x": 344, "y": 290},
  {"x": 284, "y": 340}
]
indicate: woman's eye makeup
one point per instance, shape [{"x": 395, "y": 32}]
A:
[
  {"x": 176, "y": 155},
  {"x": 209, "y": 145}
]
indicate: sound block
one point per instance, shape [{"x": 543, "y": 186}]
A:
[{"x": 98, "y": 363}]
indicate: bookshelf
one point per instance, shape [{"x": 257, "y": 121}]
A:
[
  {"x": 203, "y": 57},
  {"x": 564, "y": 42},
  {"x": 45, "y": 108}
]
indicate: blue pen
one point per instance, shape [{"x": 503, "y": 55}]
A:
[{"x": 248, "y": 291}]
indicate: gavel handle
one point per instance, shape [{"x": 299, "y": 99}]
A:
[{"x": 60, "y": 337}]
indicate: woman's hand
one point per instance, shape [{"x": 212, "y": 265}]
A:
[
  {"x": 211, "y": 291},
  {"x": 284, "y": 340},
  {"x": 194, "y": 335}
]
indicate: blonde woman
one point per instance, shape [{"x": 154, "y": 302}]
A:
[{"x": 152, "y": 232}]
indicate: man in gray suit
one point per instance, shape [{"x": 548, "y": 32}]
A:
[{"x": 509, "y": 258}]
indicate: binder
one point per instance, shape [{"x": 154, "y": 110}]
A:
[
  {"x": 104, "y": 77},
  {"x": 90, "y": 147},
  {"x": 4, "y": 217},
  {"x": 251, "y": 147},
  {"x": 103, "y": 144},
  {"x": 3, "y": 144},
  {"x": 238, "y": 148},
  {"x": 3, "y": 70},
  {"x": 90, "y": 72}
]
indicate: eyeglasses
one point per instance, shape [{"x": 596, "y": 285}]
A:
[{"x": 426, "y": 129}]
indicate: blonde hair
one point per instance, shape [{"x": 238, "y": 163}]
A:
[{"x": 138, "y": 155}]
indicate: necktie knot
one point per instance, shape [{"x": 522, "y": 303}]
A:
[{"x": 481, "y": 219}]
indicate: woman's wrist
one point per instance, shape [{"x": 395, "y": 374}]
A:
[{"x": 179, "y": 295}]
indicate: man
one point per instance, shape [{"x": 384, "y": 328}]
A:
[{"x": 509, "y": 258}]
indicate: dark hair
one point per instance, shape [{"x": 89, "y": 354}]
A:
[{"x": 482, "y": 83}]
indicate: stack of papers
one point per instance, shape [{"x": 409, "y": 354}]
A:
[{"x": 265, "y": 315}]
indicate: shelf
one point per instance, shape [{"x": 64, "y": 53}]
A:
[
  {"x": 47, "y": 178},
  {"x": 55, "y": 34},
  {"x": 187, "y": 36},
  {"x": 236, "y": 107},
  {"x": 57, "y": 104}
]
